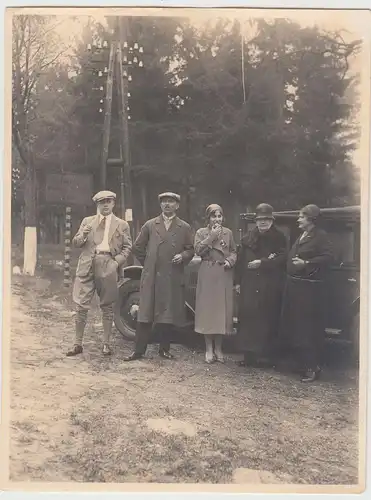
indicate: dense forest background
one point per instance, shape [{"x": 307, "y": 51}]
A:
[{"x": 224, "y": 112}]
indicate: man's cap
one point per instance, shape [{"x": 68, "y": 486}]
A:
[
  {"x": 104, "y": 195},
  {"x": 168, "y": 194},
  {"x": 264, "y": 211}
]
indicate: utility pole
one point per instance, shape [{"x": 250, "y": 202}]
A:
[
  {"x": 122, "y": 74},
  {"x": 107, "y": 115},
  {"x": 122, "y": 59}
]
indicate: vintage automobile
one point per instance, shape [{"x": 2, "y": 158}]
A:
[{"x": 343, "y": 227}]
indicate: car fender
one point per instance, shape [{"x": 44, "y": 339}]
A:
[{"x": 130, "y": 273}]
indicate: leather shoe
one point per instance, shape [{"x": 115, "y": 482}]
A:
[
  {"x": 106, "y": 350},
  {"x": 133, "y": 356},
  {"x": 311, "y": 375},
  {"x": 77, "y": 349},
  {"x": 165, "y": 354}
]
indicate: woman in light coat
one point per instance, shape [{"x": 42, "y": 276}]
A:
[{"x": 214, "y": 295}]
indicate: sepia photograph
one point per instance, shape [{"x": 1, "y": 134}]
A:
[{"x": 185, "y": 249}]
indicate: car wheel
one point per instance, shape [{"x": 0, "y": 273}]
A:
[{"x": 123, "y": 318}]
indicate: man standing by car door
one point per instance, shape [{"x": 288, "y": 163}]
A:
[
  {"x": 106, "y": 243},
  {"x": 164, "y": 247}
]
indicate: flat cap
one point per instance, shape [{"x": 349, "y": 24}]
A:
[
  {"x": 104, "y": 195},
  {"x": 174, "y": 196}
]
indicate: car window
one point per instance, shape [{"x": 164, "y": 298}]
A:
[{"x": 344, "y": 246}]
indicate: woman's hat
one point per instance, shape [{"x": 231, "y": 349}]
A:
[
  {"x": 264, "y": 211},
  {"x": 213, "y": 208},
  {"x": 311, "y": 211}
]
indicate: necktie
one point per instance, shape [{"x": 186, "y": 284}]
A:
[{"x": 99, "y": 234}]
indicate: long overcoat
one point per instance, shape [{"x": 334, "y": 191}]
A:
[
  {"x": 304, "y": 304},
  {"x": 214, "y": 293},
  {"x": 162, "y": 286},
  {"x": 260, "y": 289}
]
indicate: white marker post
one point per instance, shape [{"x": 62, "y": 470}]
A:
[{"x": 67, "y": 248}]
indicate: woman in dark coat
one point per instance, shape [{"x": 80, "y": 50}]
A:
[
  {"x": 259, "y": 277},
  {"x": 304, "y": 303},
  {"x": 214, "y": 295}
]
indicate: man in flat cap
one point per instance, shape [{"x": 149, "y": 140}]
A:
[
  {"x": 164, "y": 247},
  {"x": 106, "y": 243}
]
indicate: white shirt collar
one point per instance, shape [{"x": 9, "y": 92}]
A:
[
  {"x": 107, "y": 217},
  {"x": 168, "y": 218}
]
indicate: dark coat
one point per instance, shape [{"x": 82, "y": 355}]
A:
[
  {"x": 261, "y": 289},
  {"x": 304, "y": 304},
  {"x": 162, "y": 287}
]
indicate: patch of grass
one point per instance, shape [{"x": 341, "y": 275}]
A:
[
  {"x": 25, "y": 426},
  {"x": 25, "y": 439}
]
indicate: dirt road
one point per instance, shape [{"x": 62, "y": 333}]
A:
[{"x": 93, "y": 419}]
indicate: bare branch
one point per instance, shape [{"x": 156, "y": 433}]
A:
[{"x": 52, "y": 61}]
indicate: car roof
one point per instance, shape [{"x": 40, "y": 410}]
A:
[{"x": 335, "y": 213}]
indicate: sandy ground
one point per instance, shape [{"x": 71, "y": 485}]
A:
[{"x": 90, "y": 418}]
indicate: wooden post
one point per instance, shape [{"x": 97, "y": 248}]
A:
[
  {"x": 107, "y": 115},
  {"x": 122, "y": 187},
  {"x": 67, "y": 248},
  {"x": 123, "y": 115}
]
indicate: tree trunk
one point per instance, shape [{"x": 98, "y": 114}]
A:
[{"x": 30, "y": 235}]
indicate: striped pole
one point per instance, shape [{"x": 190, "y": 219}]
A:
[{"x": 67, "y": 248}]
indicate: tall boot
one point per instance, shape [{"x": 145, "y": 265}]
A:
[
  {"x": 107, "y": 319},
  {"x": 80, "y": 323}
]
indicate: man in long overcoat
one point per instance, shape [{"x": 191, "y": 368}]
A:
[
  {"x": 164, "y": 247},
  {"x": 259, "y": 274},
  {"x": 105, "y": 244}
]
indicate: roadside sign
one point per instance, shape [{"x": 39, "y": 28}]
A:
[{"x": 69, "y": 189}]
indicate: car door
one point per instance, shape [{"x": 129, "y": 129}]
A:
[{"x": 343, "y": 282}]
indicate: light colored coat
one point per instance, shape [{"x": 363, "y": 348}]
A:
[
  {"x": 119, "y": 241},
  {"x": 214, "y": 293},
  {"x": 162, "y": 288}
]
